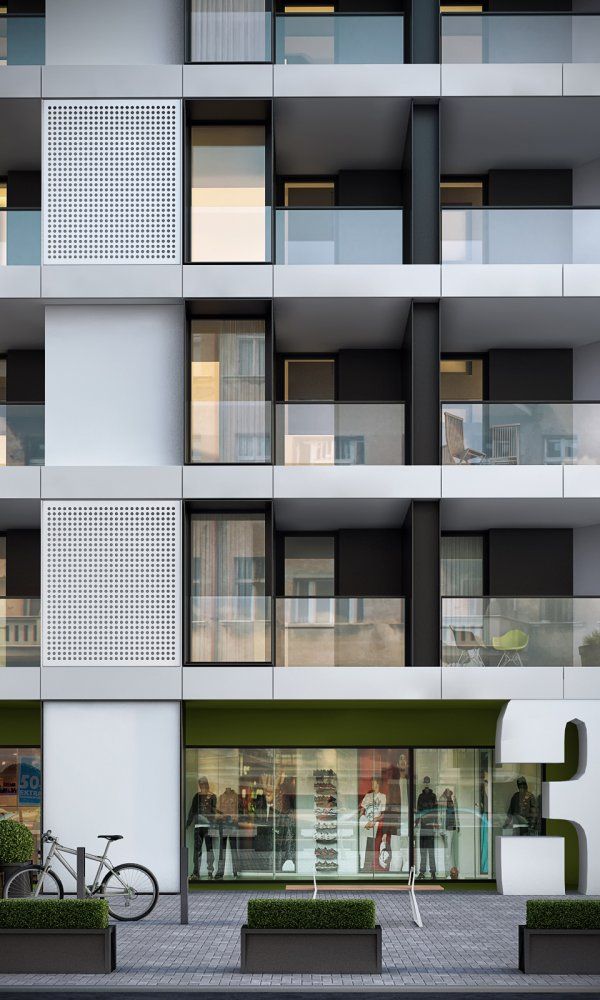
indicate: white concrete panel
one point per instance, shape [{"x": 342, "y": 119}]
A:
[
  {"x": 104, "y": 764},
  {"x": 530, "y": 866},
  {"x": 512, "y": 280},
  {"x": 111, "y": 483},
  {"x": 115, "y": 32},
  {"x": 227, "y": 281},
  {"x": 20, "y": 684},
  {"x": 222, "y": 482},
  {"x": 20, "y": 482},
  {"x": 228, "y": 80},
  {"x": 356, "y": 683},
  {"x": 20, "y": 81},
  {"x": 111, "y": 683},
  {"x": 581, "y": 79},
  {"x": 357, "y": 280},
  {"x": 111, "y": 81},
  {"x": 582, "y": 480},
  {"x": 501, "y": 481},
  {"x": 582, "y": 682},
  {"x": 581, "y": 279},
  {"x": 395, "y": 481},
  {"x": 357, "y": 81},
  {"x": 502, "y": 80},
  {"x": 222, "y": 683},
  {"x": 502, "y": 683},
  {"x": 110, "y": 281},
  {"x": 114, "y": 385},
  {"x": 20, "y": 281}
]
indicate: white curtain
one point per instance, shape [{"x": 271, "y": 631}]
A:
[
  {"x": 230, "y": 31},
  {"x": 462, "y": 566}
]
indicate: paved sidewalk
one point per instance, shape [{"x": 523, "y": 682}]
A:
[{"x": 469, "y": 940}]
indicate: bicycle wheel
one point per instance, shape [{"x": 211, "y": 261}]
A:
[
  {"x": 131, "y": 892},
  {"x": 34, "y": 883}
]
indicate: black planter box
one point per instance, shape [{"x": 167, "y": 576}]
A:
[
  {"x": 310, "y": 950},
  {"x": 87, "y": 951},
  {"x": 559, "y": 952}
]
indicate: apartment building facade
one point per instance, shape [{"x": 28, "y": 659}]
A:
[{"x": 299, "y": 496}]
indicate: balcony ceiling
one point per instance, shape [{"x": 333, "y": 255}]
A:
[
  {"x": 21, "y": 324},
  {"x": 331, "y": 515},
  {"x": 331, "y": 324},
  {"x": 20, "y": 134},
  {"x": 19, "y": 514},
  {"x": 483, "y": 514},
  {"x": 482, "y": 324}
]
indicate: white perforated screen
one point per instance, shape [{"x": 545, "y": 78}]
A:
[
  {"x": 111, "y": 182},
  {"x": 111, "y": 584}
]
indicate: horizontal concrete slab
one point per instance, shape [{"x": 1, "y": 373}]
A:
[
  {"x": 581, "y": 279},
  {"x": 20, "y": 81},
  {"x": 394, "y": 481},
  {"x": 357, "y": 80},
  {"x": 502, "y": 80},
  {"x": 582, "y": 481},
  {"x": 511, "y": 280},
  {"x": 20, "y": 482},
  {"x": 222, "y": 482},
  {"x": 111, "y": 683},
  {"x": 582, "y": 682},
  {"x": 581, "y": 79},
  {"x": 502, "y": 683},
  {"x": 356, "y": 683},
  {"x": 502, "y": 481},
  {"x": 228, "y": 80},
  {"x": 212, "y": 683},
  {"x": 108, "y": 281},
  {"x": 228, "y": 281},
  {"x": 19, "y": 684},
  {"x": 112, "y": 81},
  {"x": 20, "y": 281},
  {"x": 111, "y": 482},
  {"x": 357, "y": 280}
]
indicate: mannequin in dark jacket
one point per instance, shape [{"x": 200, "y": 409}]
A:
[
  {"x": 427, "y": 820},
  {"x": 202, "y": 814}
]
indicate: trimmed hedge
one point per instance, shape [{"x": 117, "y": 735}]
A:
[
  {"x": 16, "y": 843},
  {"x": 53, "y": 914},
  {"x": 309, "y": 914},
  {"x": 563, "y": 914}
]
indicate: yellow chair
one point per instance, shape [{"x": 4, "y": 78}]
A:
[{"x": 511, "y": 645}]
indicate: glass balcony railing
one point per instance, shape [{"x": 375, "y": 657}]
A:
[
  {"x": 521, "y": 631},
  {"x": 340, "y": 38},
  {"x": 21, "y": 434},
  {"x": 521, "y": 236},
  {"x": 20, "y": 236},
  {"x": 520, "y": 38},
  {"x": 520, "y": 433},
  {"x": 316, "y": 433},
  {"x": 230, "y": 433},
  {"x": 22, "y": 41},
  {"x": 340, "y": 631},
  {"x": 230, "y": 36},
  {"x": 339, "y": 236},
  {"x": 230, "y": 629},
  {"x": 19, "y": 632}
]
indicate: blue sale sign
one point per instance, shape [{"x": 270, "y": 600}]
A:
[{"x": 30, "y": 782}]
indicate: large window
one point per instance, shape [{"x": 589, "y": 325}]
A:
[
  {"x": 229, "y": 221},
  {"x": 287, "y": 813},
  {"x": 229, "y": 610},
  {"x": 229, "y": 414},
  {"x": 21, "y": 787}
]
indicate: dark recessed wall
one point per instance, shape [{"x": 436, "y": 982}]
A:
[
  {"x": 530, "y": 562},
  {"x": 369, "y": 188},
  {"x": 530, "y": 375},
  {"x": 515, "y": 188},
  {"x": 370, "y": 563},
  {"x": 369, "y": 375},
  {"x": 24, "y": 189},
  {"x": 25, "y": 377},
  {"x": 531, "y": 7},
  {"x": 23, "y": 568}
]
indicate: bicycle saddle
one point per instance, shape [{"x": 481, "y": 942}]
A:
[{"x": 110, "y": 836}]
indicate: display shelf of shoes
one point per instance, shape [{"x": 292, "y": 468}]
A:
[{"x": 326, "y": 821}]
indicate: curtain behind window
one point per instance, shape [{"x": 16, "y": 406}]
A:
[
  {"x": 462, "y": 566},
  {"x": 230, "y": 31}
]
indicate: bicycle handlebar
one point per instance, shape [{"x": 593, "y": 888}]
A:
[{"x": 47, "y": 837}]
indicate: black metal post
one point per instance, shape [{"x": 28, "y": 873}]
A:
[
  {"x": 183, "y": 885},
  {"x": 81, "y": 873}
]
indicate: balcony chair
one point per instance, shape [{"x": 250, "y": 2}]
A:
[
  {"x": 469, "y": 645},
  {"x": 505, "y": 444},
  {"x": 455, "y": 442},
  {"x": 511, "y": 645}
]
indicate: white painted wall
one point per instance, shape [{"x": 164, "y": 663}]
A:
[
  {"x": 114, "y": 32},
  {"x": 586, "y": 561},
  {"x": 586, "y": 372},
  {"x": 114, "y": 385},
  {"x": 113, "y": 767}
]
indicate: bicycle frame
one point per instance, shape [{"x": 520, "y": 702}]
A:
[{"x": 103, "y": 862}]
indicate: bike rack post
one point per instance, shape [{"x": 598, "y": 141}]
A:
[
  {"x": 81, "y": 873},
  {"x": 183, "y": 885}
]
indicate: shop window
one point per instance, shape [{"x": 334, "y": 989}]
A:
[
  {"x": 461, "y": 379},
  {"x": 21, "y": 787}
]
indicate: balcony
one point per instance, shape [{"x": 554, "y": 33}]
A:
[
  {"x": 230, "y": 630},
  {"x": 228, "y": 433},
  {"x": 19, "y": 632},
  {"x": 317, "y": 236},
  {"x": 20, "y": 237},
  {"x": 340, "y": 632},
  {"x": 520, "y": 433},
  {"x": 347, "y": 39},
  {"x": 22, "y": 40},
  {"x": 521, "y": 631},
  {"x": 323, "y": 434},
  {"x": 484, "y": 39},
  {"x": 21, "y": 434}
]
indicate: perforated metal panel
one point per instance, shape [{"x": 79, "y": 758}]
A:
[
  {"x": 111, "y": 584},
  {"x": 112, "y": 182}
]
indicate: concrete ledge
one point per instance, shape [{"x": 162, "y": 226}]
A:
[
  {"x": 386, "y": 481},
  {"x": 20, "y": 81},
  {"x": 20, "y": 684},
  {"x": 356, "y": 683},
  {"x": 502, "y": 683},
  {"x": 111, "y": 683},
  {"x": 222, "y": 482},
  {"x": 582, "y": 682},
  {"x": 21, "y": 482},
  {"x": 582, "y": 481},
  {"x": 357, "y": 81},
  {"x": 107, "y": 281},
  {"x": 228, "y": 80},
  {"x": 502, "y": 80},
  {"x": 581, "y": 279},
  {"x": 112, "y": 81},
  {"x": 581, "y": 79},
  {"x": 501, "y": 481},
  {"x": 228, "y": 281},
  {"x": 20, "y": 281},
  {"x": 214, "y": 683},
  {"x": 510, "y": 280},
  {"x": 357, "y": 280},
  {"x": 111, "y": 482}
]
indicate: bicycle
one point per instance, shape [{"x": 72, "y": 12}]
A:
[{"x": 130, "y": 890}]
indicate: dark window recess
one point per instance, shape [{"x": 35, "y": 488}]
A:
[
  {"x": 544, "y": 375},
  {"x": 531, "y": 562},
  {"x": 530, "y": 188}
]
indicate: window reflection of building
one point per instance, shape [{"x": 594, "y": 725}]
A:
[{"x": 20, "y": 787}]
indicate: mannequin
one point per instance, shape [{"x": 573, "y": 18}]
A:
[
  {"x": 201, "y": 814},
  {"x": 522, "y": 812},
  {"x": 483, "y": 825},
  {"x": 427, "y": 820},
  {"x": 227, "y": 818},
  {"x": 371, "y": 809},
  {"x": 390, "y": 825},
  {"x": 285, "y": 813},
  {"x": 450, "y": 823}
]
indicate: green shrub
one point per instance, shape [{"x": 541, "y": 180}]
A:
[
  {"x": 16, "y": 843},
  {"x": 563, "y": 914},
  {"x": 309, "y": 914},
  {"x": 55, "y": 914}
]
